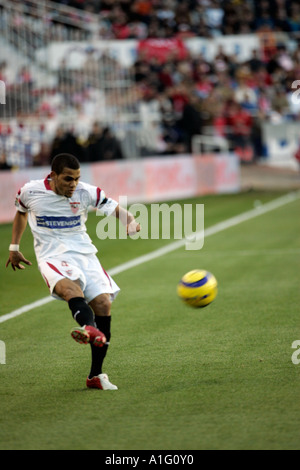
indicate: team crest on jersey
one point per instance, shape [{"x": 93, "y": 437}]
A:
[
  {"x": 74, "y": 206},
  {"x": 68, "y": 271}
]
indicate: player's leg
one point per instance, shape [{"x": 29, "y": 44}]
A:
[
  {"x": 101, "y": 306},
  {"x": 71, "y": 292},
  {"x": 99, "y": 290},
  {"x": 56, "y": 273}
]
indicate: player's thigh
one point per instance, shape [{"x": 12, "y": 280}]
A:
[
  {"x": 65, "y": 270},
  {"x": 98, "y": 283},
  {"x": 67, "y": 289}
]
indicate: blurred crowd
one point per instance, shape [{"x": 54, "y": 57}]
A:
[
  {"x": 182, "y": 97},
  {"x": 124, "y": 19}
]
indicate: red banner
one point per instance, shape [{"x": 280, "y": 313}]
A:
[
  {"x": 162, "y": 49},
  {"x": 150, "y": 179}
]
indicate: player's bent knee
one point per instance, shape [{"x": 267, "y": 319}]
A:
[
  {"x": 67, "y": 289},
  {"x": 101, "y": 305}
]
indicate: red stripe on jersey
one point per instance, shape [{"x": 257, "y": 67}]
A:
[
  {"x": 23, "y": 205},
  {"x": 46, "y": 280},
  {"x": 107, "y": 276},
  {"x": 54, "y": 268},
  {"x": 98, "y": 196},
  {"x": 46, "y": 182},
  {"x": 19, "y": 200}
]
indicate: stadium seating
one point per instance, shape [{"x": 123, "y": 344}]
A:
[{"x": 151, "y": 104}]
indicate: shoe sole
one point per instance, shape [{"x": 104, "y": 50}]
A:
[
  {"x": 80, "y": 336},
  {"x": 98, "y": 341},
  {"x": 83, "y": 337}
]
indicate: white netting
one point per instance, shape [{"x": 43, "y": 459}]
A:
[{"x": 58, "y": 75}]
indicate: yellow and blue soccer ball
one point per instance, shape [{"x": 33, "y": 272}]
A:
[{"x": 197, "y": 288}]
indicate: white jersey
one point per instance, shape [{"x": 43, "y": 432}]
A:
[{"x": 57, "y": 222}]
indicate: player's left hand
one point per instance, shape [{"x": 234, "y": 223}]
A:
[{"x": 133, "y": 228}]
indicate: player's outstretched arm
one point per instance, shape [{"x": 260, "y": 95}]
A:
[
  {"x": 15, "y": 256},
  {"x": 128, "y": 220}
]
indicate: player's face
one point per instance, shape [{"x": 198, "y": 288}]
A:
[{"x": 65, "y": 183}]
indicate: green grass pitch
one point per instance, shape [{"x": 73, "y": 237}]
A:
[{"x": 215, "y": 378}]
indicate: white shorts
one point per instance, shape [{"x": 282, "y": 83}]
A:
[{"x": 87, "y": 269}]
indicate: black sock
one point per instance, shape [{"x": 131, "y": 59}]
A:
[
  {"x": 103, "y": 324},
  {"x": 98, "y": 354},
  {"x": 81, "y": 311}
]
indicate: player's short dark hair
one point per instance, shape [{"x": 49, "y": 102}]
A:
[{"x": 64, "y": 160}]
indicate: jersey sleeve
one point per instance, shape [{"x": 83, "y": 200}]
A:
[
  {"x": 21, "y": 200},
  {"x": 104, "y": 204},
  {"x": 100, "y": 201}
]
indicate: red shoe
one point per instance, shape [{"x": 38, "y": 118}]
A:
[
  {"x": 88, "y": 334},
  {"x": 100, "y": 381}
]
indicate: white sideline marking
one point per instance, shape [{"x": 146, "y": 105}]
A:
[
  {"x": 250, "y": 252},
  {"x": 25, "y": 308},
  {"x": 238, "y": 219}
]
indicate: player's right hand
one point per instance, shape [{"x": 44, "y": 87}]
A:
[{"x": 15, "y": 258}]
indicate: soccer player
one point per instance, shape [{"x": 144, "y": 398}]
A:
[{"x": 56, "y": 209}]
